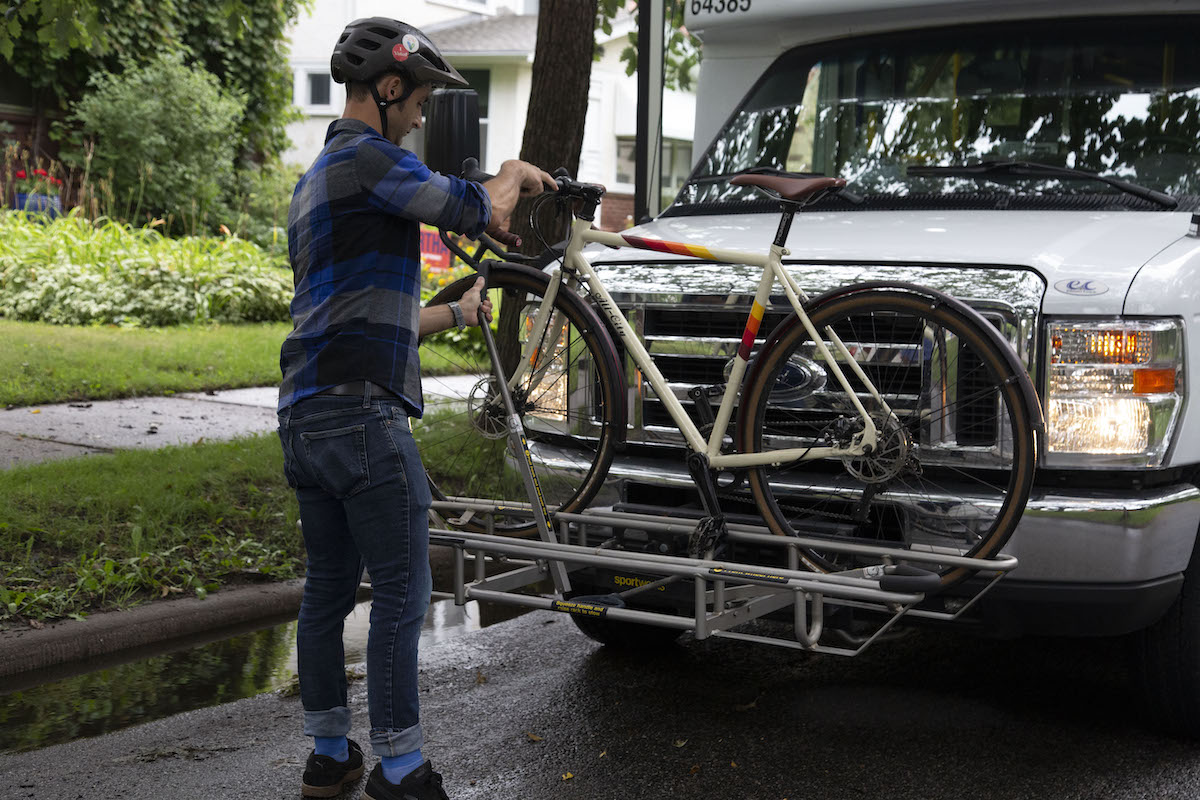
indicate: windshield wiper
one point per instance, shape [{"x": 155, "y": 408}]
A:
[{"x": 1034, "y": 169}]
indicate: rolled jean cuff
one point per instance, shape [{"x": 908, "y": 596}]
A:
[
  {"x": 331, "y": 722},
  {"x": 396, "y": 743}
]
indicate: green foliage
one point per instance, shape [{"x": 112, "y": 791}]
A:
[
  {"x": 70, "y": 271},
  {"x": 258, "y": 201},
  {"x": 107, "y": 531},
  {"x": 53, "y": 27},
  {"x": 168, "y": 158},
  {"x": 58, "y": 45},
  {"x": 682, "y": 49}
]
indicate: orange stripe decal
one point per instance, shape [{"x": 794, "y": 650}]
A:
[
  {"x": 752, "y": 325},
  {"x": 661, "y": 246}
]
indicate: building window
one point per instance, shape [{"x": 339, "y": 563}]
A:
[
  {"x": 676, "y": 162},
  {"x": 626, "y": 160},
  {"x": 313, "y": 90},
  {"x": 319, "y": 88}
]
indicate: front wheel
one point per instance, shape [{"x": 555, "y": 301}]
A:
[
  {"x": 567, "y": 397},
  {"x": 954, "y": 460}
]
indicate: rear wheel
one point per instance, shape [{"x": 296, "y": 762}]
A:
[
  {"x": 567, "y": 401},
  {"x": 954, "y": 463}
]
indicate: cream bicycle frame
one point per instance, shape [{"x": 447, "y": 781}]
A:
[{"x": 771, "y": 262}]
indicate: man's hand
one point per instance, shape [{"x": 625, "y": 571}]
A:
[
  {"x": 473, "y": 302},
  {"x": 515, "y": 180}
]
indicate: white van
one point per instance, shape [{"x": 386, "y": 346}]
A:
[{"x": 1038, "y": 160}]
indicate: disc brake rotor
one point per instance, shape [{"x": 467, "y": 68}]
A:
[{"x": 891, "y": 456}]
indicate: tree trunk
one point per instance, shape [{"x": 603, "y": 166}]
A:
[
  {"x": 38, "y": 129},
  {"x": 558, "y": 96},
  {"x": 558, "y": 102}
]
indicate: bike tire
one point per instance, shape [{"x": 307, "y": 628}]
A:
[
  {"x": 576, "y": 419},
  {"x": 954, "y": 472}
]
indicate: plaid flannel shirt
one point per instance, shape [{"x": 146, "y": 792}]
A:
[{"x": 354, "y": 246}]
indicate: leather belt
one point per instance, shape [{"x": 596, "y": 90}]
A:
[{"x": 358, "y": 389}]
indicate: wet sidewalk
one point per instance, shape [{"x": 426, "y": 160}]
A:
[{"x": 42, "y": 433}]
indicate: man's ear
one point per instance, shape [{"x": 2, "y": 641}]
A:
[{"x": 393, "y": 87}]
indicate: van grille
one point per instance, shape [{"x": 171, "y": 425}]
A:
[{"x": 692, "y": 343}]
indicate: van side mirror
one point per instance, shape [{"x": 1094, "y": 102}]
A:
[{"x": 451, "y": 129}]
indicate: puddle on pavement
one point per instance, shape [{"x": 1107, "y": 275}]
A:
[{"x": 220, "y": 671}]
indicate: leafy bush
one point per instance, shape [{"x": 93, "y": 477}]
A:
[
  {"x": 165, "y": 133},
  {"x": 258, "y": 207},
  {"x": 70, "y": 271}
]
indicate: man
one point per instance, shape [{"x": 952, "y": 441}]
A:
[{"x": 351, "y": 381}]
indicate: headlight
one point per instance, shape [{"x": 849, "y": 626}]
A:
[{"x": 1114, "y": 390}]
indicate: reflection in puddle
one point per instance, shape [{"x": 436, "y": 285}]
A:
[{"x": 219, "y": 672}]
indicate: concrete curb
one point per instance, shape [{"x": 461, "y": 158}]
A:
[
  {"x": 109, "y": 632},
  {"x": 75, "y": 646}
]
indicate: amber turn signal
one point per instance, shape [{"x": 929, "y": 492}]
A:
[{"x": 1153, "y": 381}]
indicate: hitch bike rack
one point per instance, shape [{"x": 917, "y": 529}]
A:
[{"x": 725, "y": 594}]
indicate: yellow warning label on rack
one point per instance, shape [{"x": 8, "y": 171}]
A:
[
  {"x": 582, "y": 609},
  {"x": 721, "y": 572}
]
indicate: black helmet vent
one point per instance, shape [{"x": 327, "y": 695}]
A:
[
  {"x": 384, "y": 32},
  {"x": 367, "y": 44}
]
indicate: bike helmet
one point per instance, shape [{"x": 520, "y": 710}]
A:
[{"x": 374, "y": 46}]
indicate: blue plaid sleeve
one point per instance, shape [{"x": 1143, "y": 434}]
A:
[{"x": 398, "y": 183}]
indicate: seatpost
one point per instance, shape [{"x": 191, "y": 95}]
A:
[{"x": 789, "y": 210}]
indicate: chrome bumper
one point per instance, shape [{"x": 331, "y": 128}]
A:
[{"x": 1094, "y": 537}]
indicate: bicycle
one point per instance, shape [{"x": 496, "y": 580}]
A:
[{"x": 830, "y": 389}]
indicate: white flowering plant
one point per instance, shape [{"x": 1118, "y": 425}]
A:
[{"x": 74, "y": 272}]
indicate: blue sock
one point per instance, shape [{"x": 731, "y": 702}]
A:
[
  {"x": 333, "y": 746},
  {"x": 395, "y": 768}
]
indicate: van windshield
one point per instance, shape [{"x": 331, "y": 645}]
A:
[{"x": 1118, "y": 97}]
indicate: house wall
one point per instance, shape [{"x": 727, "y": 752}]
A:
[
  {"x": 612, "y": 97},
  {"x": 314, "y": 35}
]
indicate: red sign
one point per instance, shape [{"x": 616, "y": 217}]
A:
[{"x": 435, "y": 257}]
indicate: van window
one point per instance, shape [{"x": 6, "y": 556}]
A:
[{"x": 1120, "y": 97}]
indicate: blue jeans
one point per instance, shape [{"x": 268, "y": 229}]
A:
[{"x": 363, "y": 501}]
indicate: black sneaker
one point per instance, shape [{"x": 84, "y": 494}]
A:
[
  {"x": 420, "y": 784},
  {"x": 325, "y": 777}
]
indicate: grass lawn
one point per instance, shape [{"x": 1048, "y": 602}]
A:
[
  {"x": 106, "y": 531},
  {"x": 43, "y": 363}
]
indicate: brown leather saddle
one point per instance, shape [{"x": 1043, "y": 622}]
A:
[{"x": 796, "y": 190}]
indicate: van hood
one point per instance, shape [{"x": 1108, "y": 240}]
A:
[{"x": 1086, "y": 260}]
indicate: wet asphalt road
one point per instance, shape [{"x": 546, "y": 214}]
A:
[{"x": 932, "y": 716}]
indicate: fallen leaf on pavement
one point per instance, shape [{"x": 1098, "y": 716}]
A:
[
  {"x": 36, "y": 411},
  {"x": 567, "y": 776},
  {"x": 680, "y": 742},
  {"x": 533, "y": 737},
  {"x": 480, "y": 678},
  {"x": 695, "y": 768}
]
